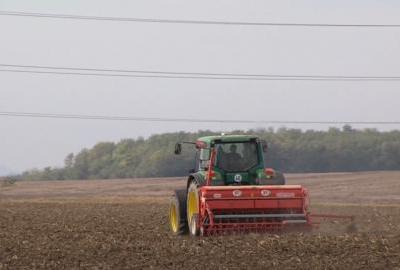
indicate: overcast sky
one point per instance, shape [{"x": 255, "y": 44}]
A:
[{"x": 27, "y": 143}]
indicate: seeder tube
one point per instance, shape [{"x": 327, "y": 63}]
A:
[
  {"x": 332, "y": 216},
  {"x": 261, "y": 216}
]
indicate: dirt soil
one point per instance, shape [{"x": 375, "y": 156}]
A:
[{"x": 122, "y": 224}]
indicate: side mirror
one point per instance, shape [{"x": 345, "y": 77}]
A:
[
  {"x": 264, "y": 146},
  {"x": 178, "y": 149}
]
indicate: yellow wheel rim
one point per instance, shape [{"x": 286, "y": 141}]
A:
[
  {"x": 173, "y": 218},
  {"x": 193, "y": 204}
]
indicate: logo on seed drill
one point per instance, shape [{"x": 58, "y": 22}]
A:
[
  {"x": 265, "y": 192},
  {"x": 238, "y": 178}
]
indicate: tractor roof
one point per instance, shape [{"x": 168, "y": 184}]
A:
[{"x": 227, "y": 138}]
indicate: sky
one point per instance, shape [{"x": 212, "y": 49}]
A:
[{"x": 31, "y": 142}]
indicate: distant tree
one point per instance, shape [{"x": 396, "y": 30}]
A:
[
  {"x": 69, "y": 160},
  {"x": 347, "y": 128},
  {"x": 290, "y": 150}
]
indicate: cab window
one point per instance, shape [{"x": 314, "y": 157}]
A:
[{"x": 204, "y": 158}]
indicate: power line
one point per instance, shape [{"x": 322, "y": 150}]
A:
[
  {"x": 176, "y": 21},
  {"x": 201, "y": 73},
  {"x": 174, "y": 77},
  {"x": 201, "y": 77},
  {"x": 196, "y": 77},
  {"x": 186, "y": 120}
]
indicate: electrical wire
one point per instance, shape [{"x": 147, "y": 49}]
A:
[
  {"x": 187, "y": 120},
  {"x": 176, "y": 21},
  {"x": 198, "y": 77},
  {"x": 199, "y": 73}
]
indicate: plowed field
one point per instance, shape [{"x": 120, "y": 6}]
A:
[{"x": 122, "y": 224}]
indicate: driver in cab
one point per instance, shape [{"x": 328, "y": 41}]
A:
[{"x": 233, "y": 159}]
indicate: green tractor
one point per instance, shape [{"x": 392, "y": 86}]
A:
[{"x": 230, "y": 189}]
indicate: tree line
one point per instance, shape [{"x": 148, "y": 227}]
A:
[{"x": 290, "y": 150}]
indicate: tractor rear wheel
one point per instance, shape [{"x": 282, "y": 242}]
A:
[
  {"x": 193, "y": 209},
  {"x": 277, "y": 179},
  {"x": 194, "y": 225},
  {"x": 177, "y": 213}
]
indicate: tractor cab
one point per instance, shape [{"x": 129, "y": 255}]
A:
[{"x": 232, "y": 160}]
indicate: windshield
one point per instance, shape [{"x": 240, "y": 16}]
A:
[{"x": 235, "y": 157}]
